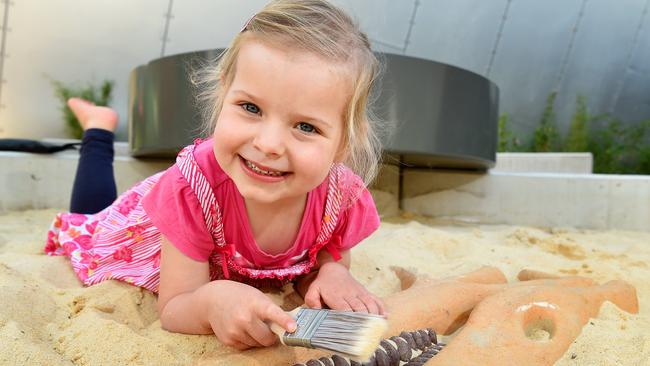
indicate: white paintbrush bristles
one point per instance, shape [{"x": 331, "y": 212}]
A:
[{"x": 355, "y": 335}]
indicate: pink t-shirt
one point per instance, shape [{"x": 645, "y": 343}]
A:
[{"x": 175, "y": 210}]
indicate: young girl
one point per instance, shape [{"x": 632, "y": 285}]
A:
[{"x": 265, "y": 201}]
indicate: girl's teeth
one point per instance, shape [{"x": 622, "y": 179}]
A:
[{"x": 260, "y": 171}]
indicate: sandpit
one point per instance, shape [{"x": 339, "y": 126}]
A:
[{"x": 47, "y": 317}]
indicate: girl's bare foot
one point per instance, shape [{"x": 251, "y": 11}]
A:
[{"x": 92, "y": 116}]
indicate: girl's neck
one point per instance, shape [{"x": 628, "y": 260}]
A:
[
  {"x": 274, "y": 208},
  {"x": 275, "y": 225}
]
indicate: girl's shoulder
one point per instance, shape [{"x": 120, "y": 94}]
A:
[
  {"x": 349, "y": 185},
  {"x": 204, "y": 156}
]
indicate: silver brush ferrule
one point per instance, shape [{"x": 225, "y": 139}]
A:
[{"x": 308, "y": 321}]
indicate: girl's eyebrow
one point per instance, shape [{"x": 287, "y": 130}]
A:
[{"x": 247, "y": 95}]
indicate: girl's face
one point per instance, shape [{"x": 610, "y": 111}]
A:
[{"x": 281, "y": 125}]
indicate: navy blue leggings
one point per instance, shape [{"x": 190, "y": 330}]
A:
[{"x": 94, "y": 184}]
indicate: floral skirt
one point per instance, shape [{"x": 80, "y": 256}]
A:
[{"x": 120, "y": 242}]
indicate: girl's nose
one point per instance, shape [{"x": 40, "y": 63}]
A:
[{"x": 270, "y": 139}]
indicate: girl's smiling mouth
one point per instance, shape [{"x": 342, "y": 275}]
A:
[{"x": 261, "y": 172}]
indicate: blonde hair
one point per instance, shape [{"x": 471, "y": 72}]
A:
[{"x": 319, "y": 27}]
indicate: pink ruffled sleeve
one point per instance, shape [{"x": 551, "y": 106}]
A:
[
  {"x": 355, "y": 223},
  {"x": 176, "y": 212}
]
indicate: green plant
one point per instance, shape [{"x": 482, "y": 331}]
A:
[
  {"x": 100, "y": 95},
  {"x": 617, "y": 147},
  {"x": 578, "y": 136},
  {"x": 644, "y": 160},
  {"x": 621, "y": 148},
  {"x": 546, "y": 136},
  {"x": 507, "y": 139}
]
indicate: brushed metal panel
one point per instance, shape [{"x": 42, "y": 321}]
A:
[
  {"x": 641, "y": 53},
  {"x": 529, "y": 59},
  {"x": 200, "y": 24},
  {"x": 386, "y": 21},
  {"x": 634, "y": 101},
  {"x": 599, "y": 55},
  {"x": 457, "y": 32}
]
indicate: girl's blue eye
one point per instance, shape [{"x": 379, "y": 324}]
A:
[
  {"x": 306, "y": 127},
  {"x": 251, "y": 108}
]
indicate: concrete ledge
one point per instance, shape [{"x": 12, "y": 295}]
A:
[
  {"x": 45, "y": 181},
  {"x": 540, "y": 199},
  {"x": 580, "y": 163}
]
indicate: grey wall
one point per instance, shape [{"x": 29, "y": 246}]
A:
[{"x": 597, "y": 48}]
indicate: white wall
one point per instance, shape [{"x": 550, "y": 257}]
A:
[{"x": 78, "y": 41}]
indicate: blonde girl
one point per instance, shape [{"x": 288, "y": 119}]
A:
[{"x": 276, "y": 194}]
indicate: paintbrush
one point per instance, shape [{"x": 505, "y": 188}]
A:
[{"x": 354, "y": 335}]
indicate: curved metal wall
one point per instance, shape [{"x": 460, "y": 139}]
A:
[{"x": 443, "y": 116}]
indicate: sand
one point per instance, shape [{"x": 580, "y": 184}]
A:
[{"x": 47, "y": 317}]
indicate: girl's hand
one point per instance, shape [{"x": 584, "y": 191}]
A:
[
  {"x": 239, "y": 316},
  {"x": 335, "y": 287}
]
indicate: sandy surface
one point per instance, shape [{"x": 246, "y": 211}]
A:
[{"x": 46, "y": 317}]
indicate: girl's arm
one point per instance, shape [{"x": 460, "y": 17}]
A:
[
  {"x": 183, "y": 295},
  {"x": 188, "y": 302}
]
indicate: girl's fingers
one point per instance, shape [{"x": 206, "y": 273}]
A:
[
  {"x": 270, "y": 312},
  {"x": 237, "y": 345},
  {"x": 382, "y": 307},
  {"x": 357, "y": 305},
  {"x": 260, "y": 331},
  {"x": 312, "y": 298},
  {"x": 248, "y": 340},
  {"x": 371, "y": 304},
  {"x": 337, "y": 303},
  {"x": 240, "y": 339}
]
